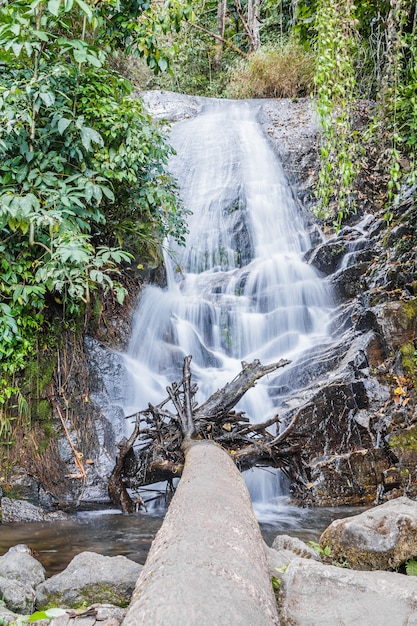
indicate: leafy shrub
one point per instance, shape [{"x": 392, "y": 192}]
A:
[
  {"x": 282, "y": 71},
  {"x": 82, "y": 168}
]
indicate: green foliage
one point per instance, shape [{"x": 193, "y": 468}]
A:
[
  {"x": 411, "y": 567},
  {"x": 322, "y": 552},
  {"x": 335, "y": 81},
  {"x": 276, "y": 583},
  {"x": 280, "y": 71},
  {"x": 81, "y": 164},
  {"x": 398, "y": 97}
]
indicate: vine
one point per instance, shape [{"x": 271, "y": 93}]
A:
[
  {"x": 336, "y": 86},
  {"x": 398, "y": 98}
]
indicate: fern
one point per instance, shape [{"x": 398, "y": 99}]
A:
[{"x": 411, "y": 567}]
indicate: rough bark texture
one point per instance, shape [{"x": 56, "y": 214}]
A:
[{"x": 207, "y": 564}]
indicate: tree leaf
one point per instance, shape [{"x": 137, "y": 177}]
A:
[
  {"x": 55, "y": 612},
  {"x": 88, "y": 135},
  {"x": 53, "y": 7},
  {"x": 41, "y": 34},
  {"x": 163, "y": 64},
  {"x": 63, "y": 125},
  {"x": 48, "y": 97},
  {"x": 93, "y": 60},
  {"x": 84, "y": 7}
]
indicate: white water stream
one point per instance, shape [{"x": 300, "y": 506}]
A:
[{"x": 240, "y": 289}]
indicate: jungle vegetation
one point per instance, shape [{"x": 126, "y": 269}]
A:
[{"x": 84, "y": 187}]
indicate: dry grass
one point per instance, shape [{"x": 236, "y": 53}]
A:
[{"x": 284, "y": 71}]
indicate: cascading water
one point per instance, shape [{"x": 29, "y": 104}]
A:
[{"x": 240, "y": 289}]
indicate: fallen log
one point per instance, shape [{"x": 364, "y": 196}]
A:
[{"x": 207, "y": 564}]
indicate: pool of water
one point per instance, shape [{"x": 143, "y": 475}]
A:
[{"x": 110, "y": 533}]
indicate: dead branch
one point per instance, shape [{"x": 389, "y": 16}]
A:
[
  {"x": 156, "y": 452},
  {"x": 116, "y": 488},
  {"x": 226, "y": 42}
]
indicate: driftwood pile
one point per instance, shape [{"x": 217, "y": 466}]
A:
[{"x": 154, "y": 451}]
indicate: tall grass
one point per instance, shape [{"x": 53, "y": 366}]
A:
[{"x": 280, "y": 71}]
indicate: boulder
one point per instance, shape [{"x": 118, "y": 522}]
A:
[
  {"x": 294, "y": 545},
  {"x": 18, "y": 564},
  {"x": 284, "y": 550},
  {"x": 23, "y": 511},
  {"x": 10, "y": 617},
  {"x": 89, "y": 578},
  {"x": 313, "y": 594},
  {"x": 17, "y": 596},
  {"x": 381, "y": 538}
]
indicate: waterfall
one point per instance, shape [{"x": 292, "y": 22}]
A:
[{"x": 239, "y": 289}]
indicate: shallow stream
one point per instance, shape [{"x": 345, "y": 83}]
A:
[{"x": 110, "y": 533}]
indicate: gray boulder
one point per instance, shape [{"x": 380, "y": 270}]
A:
[
  {"x": 18, "y": 564},
  {"x": 23, "y": 511},
  {"x": 9, "y": 617},
  {"x": 17, "y": 596},
  {"x": 296, "y": 546},
  {"x": 381, "y": 538},
  {"x": 313, "y": 594},
  {"x": 90, "y": 578},
  {"x": 284, "y": 550}
]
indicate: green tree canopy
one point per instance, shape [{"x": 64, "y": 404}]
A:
[{"x": 82, "y": 167}]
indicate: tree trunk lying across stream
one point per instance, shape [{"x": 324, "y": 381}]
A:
[{"x": 207, "y": 564}]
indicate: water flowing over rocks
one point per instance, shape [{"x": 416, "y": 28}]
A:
[{"x": 355, "y": 396}]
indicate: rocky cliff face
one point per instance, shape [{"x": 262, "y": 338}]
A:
[{"x": 357, "y": 419}]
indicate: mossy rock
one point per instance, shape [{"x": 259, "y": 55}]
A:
[{"x": 88, "y": 579}]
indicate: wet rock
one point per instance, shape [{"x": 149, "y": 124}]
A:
[
  {"x": 403, "y": 444},
  {"x": 349, "y": 282},
  {"x": 90, "y": 578},
  {"x": 327, "y": 256},
  {"x": 347, "y": 479},
  {"x": 312, "y": 593},
  {"x": 398, "y": 322},
  {"x": 381, "y": 538},
  {"x": 170, "y": 106},
  {"x": 22, "y": 511},
  {"x": 327, "y": 420}
]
